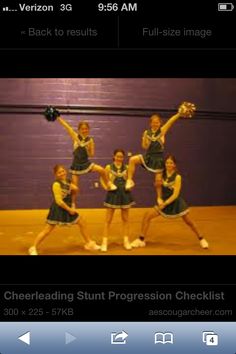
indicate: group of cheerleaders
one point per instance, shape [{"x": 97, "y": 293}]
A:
[{"x": 117, "y": 179}]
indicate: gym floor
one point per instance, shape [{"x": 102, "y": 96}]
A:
[{"x": 18, "y": 228}]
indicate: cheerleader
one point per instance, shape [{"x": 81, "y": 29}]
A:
[
  {"x": 119, "y": 199},
  {"x": 153, "y": 141},
  {"x": 62, "y": 213},
  {"x": 83, "y": 149},
  {"x": 169, "y": 205}
]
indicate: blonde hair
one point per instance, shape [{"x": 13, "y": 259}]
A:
[
  {"x": 155, "y": 116},
  {"x": 83, "y": 122},
  {"x": 57, "y": 167}
]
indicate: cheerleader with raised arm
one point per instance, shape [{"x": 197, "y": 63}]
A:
[
  {"x": 153, "y": 141},
  {"x": 83, "y": 149}
]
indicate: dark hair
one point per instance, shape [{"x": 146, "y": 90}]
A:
[
  {"x": 171, "y": 157},
  {"x": 83, "y": 122},
  {"x": 155, "y": 116},
  {"x": 118, "y": 150},
  {"x": 57, "y": 167}
]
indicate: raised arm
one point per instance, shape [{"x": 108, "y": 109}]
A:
[
  {"x": 185, "y": 110},
  {"x": 68, "y": 128},
  {"x": 177, "y": 188},
  {"x": 169, "y": 123},
  {"x": 58, "y": 198}
]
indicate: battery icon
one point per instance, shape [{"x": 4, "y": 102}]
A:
[{"x": 225, "y": 6}]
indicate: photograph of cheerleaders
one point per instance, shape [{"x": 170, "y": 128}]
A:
[{"x": 129, "y": 167}]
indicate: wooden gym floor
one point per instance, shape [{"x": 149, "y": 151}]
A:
[{"x": 18, "y": 228}]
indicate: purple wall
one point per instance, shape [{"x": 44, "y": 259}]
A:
[
  {"x": 30, "y": 146},
  {"x": 207, "y": 94}
]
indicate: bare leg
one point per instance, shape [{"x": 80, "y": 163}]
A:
[
  {"x": 148, "y": 216},
  {"x": 158, "y": 185},
  {"x": 125, "y": 221},
  {"x": 40, "y": 237},
  {"x": 192, "y": 226},
  {"x": 133, "y": 161},
  {"x": 89, "y": 244},
  {"x": 74, "y": 194},
  {"x": 189, "y": 222},
  {"x": 99, "y": 169},
  {"x": 125, "y": 227},
  {"x": 106, "y": 231},
  {"x": 83, "y": 229}
]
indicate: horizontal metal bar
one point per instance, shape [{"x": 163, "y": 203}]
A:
[{"x": 117, "y": 111}]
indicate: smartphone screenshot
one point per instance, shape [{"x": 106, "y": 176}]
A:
[{"x": 117, "y": 193}]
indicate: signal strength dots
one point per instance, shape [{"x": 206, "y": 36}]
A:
[{"x": 7, "y": 9}]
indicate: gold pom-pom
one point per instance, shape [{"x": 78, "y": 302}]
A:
[{"x": 187, "y": 109}]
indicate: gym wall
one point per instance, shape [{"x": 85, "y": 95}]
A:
[{"x": 118, "y": 111}]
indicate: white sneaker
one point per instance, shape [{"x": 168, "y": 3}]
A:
[
  {"x": 92, "y": 246},
  {"x": 138, "y": 243},
  {"x": 129, "y": 184},
  {"x": 33, "y": 251},
  {"x": 127, "y": 245},
  {"x": 204, "y": 243},
  {"x": 103, "y": 247}
]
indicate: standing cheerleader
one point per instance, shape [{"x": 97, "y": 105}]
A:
[
  {"x": 153, "y": 141},
  {"x": 118, "y": 199},
  {"x": 170, "y": 205},
  {"x": 62, "y": 213}
]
